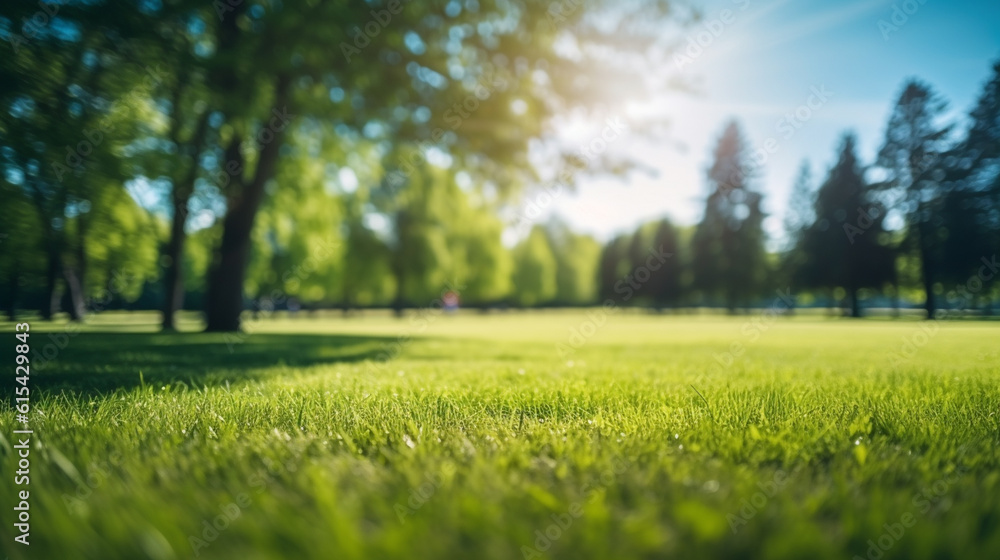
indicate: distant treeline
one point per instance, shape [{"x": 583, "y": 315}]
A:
[
  {"x": 921, "y": 222},
  {"x": 165, "y": 156}
]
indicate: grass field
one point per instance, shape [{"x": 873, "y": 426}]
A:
[{"x": 507, "y": 437}]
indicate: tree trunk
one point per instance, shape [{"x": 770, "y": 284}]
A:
[
  {"x": 174, "y": 275},
  {"x": 77, "y": 308},
  {"x": 225, "y": 287},
  {"x": 404, "y": 223},
  {"x": 927, "y": 277},
  {"x": 76, "y": 278},
  {"x": 51, "y": 306},
  {"x": 929, "y": 306},
  {"x": 181, "y": 195}
]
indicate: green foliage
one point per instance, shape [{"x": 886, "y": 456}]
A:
[
  {"x": 482, "y": 265},
  {"x": 198, "y": 257},
  {"x": 613, "y": 266},
  {"x": 535, "y": 270},
  {"x": 121, "y": 246},
  {"x": 299, "y": 251},
  {"x": 258, "y": 110},
  {"x": 666, "y": 286},
  {"x": 576, "y": 259},
  {"x": 728, "y": 261},
  {"x": 422, "y": 260},
  {"x": 970, "y": 207},
  {"x": 21, "y": 266},
  {"x": 845, "y": 247},
  {"x": 912, "y": 156}
]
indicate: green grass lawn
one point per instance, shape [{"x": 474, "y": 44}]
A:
[{"x": 507, "y": 437}]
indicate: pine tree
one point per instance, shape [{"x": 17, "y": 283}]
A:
[
  {"x": 971, "y": 205},
  {"x": 665, "y": 285},
  {"x": 728, "y": 246},
  {"x": 844, "y": 245},
  {"x": 801, "y": 211},
  {"x": 610, "y": 267},
  {"x": 799, "y": 216},
  {"x": 912, "y": 155}
]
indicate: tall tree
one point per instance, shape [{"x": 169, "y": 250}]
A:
[
  {"x": 801, "y": 211},
  {"x": 665, "y": 285},
  {"x": 613, "y": 265},
  {"x": 638, "y": 249},
  {"x": 70, "y": 105},
  {"x": 471, "y": 84},
  {"x": 476, "y": 94},
  {"x": 576, "y": 258},
  {"x": 422, "y": 260},
  {"x": 534, "y": 270},
  {"x": 912, "y": 157},
  {"x": 971, "y": 206},
  {"x": 799, "y": 216},
  {"x": 21, "y": 264},
  {"x": 481, "y": 265},
  {"x": 298, "y": 247},
  {"x": 845, "y": 247},
  {"x": 728, "y": 257}
]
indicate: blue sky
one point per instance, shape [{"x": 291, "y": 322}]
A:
[{"x": 763, "y": 65}]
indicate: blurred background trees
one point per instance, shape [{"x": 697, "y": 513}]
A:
[
  {"x": 846, "y": 246},
  {"x": 226, "y": 156},
  {"x": 728, "y": 257}
]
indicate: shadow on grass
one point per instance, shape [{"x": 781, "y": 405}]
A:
[{"x": 100, "y": 362}]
